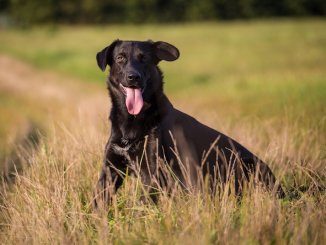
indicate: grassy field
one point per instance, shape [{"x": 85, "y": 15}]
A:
[{"x": 261, "y": 82}]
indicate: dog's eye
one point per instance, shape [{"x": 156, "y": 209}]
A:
[{"x": 120, "y": 59}]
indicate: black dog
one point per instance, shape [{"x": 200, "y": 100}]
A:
[{"x": 144, "y": 120}]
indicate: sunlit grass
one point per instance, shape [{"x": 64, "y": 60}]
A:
[
  {"x": 51, "y": 201},
  {"x": 17, "y": 115},
  {"x": 261, "y": 82}
]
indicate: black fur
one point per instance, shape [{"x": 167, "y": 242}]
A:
[{"x": 157, "y": 121}]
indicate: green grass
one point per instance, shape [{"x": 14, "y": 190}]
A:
[
  {"x": 261, "y": 82},
  {"x": 241, "y": 63}
]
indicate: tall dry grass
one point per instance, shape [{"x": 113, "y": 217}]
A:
[{"x": 51, "y": 199}]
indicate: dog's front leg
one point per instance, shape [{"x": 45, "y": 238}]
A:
[
  {"x": 111, "y": 178},
  {"x": 149, "y": 169}
]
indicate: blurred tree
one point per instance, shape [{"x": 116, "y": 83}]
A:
[
  {"x": 200, "y": 10},
  {"x": 135, "y": 11},
  {"x": 26, "y": 12},
  {"x": 315, "y": 7},
  {"x": 4, "y": 5},
  {"x": 140, "y": 10}
]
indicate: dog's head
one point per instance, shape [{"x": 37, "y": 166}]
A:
[{"x": 134, "y": 75}]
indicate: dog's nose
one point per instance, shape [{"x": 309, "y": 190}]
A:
[{"x": 133, "y": 76}]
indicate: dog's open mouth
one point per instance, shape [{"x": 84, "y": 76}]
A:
[{"x": 134, "y": 99}]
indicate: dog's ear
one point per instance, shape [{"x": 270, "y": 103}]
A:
[
  {"x": 104, "y": 57},
  {"x": 165, "y": 51}
]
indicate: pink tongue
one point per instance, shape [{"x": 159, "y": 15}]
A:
[{"x": 134, "y": 100}]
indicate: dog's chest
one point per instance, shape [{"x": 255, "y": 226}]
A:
[
  {"x": 131, "y": 133},
  {"x": 130, "y": 150},
  {"x": 133, "y": 142}
]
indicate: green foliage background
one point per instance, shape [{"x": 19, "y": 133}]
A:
[{"x": 139, "y": 11}]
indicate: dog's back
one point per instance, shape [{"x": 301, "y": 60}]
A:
[{"x": 213, "y": 152}]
